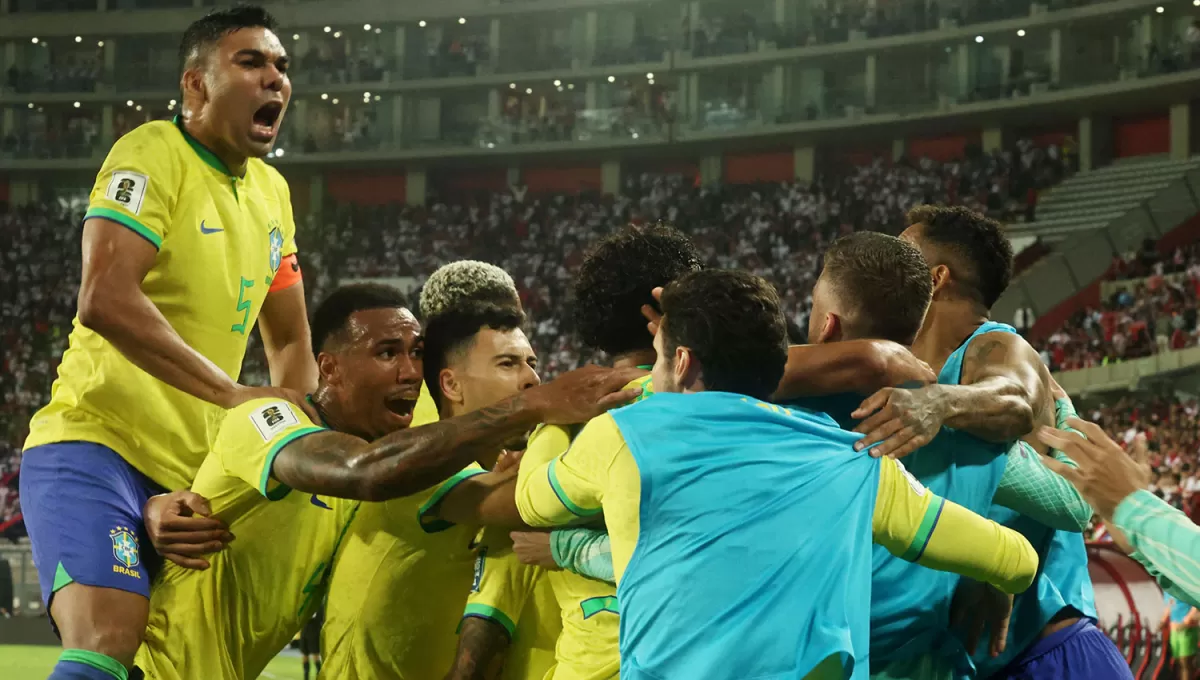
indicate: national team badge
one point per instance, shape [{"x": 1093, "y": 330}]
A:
[
  {"x": 276, "y": 241},
  {"x": 125, "y": 546}
]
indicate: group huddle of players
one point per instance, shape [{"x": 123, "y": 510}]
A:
[{"x": 725, "y": 501}]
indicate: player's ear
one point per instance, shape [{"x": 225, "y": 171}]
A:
[
  {"x": 684, "y": 367},
  {"x": 941, "y": 278},
  {"x": 831, "y": 329},
  {"x": 450, "y": 386},
  {"x": 327, "y": 368}
]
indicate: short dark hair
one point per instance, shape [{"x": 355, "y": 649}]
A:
[
  {"x": 883, "y": 281},
  {"x": 733, "y": 323},
  {"x": 616, "y": 279},
  {"x": 452, "y": 330},
  {"x": 208, "y": 30},
  {"x": 981, "y": 258},
  {"x": 332, "y": 315}
]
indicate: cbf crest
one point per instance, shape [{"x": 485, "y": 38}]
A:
[
  {"x": 276, "y": 241},
  {"x": 125, "y": 546}
]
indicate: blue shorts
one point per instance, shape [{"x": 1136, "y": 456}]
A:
[
  {"x": 83, "y": 509},
  {"x": 1081, "y": 651}
]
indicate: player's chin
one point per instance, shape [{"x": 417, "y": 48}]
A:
[{"x": 258, "y": 146}]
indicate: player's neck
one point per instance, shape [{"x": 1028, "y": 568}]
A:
[
  {"x": 205, "y": 135},
  {"x": 947, "y": 325},
  {"x": 331, "y": 411},
  {"x": 635, "y": 359}
]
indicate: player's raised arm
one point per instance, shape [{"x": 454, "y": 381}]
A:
[
  {"x": 916, "y": 525},
  {"x": 409, "y": 460},
  {"x": 287, "y": 341},
  {"x": 1001, "y": 392}
]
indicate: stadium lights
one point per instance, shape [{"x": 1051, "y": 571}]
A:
[
  {"x": 366, "y": 27},
  {"x": 366, "y": 95},
  {"x": 462, "y": 20},
  {"x": 100, "y": 44},
  {"x": 557, "y": 83},
  {"x": 31, "y": 105},
  {"x": 335, "y": 100},
  {"x": 1021, "y": 31},
  {"x": 635, "y": 135},
  {"x": 171, "y": 103},
  {"x": 649, "y": 76},
  {"x": 35, "y": 41},
  {"x": 560, "y": 88},
  {"x": 295, "y": 36},
  {"x": 377, "y": 97},
  {"x": 979, "y": 38},
  {"x": 79, "y": 38},
  {"x": 649, "y": 82},
  {"x": 76, "y": 104},
  {"x": 421, "y": 23},
  {"x": 612, "y": 79},
  {"x": 324, "y": 96},
  {"x": 128, "y": 102},
  {"x": 1195, "y": 3},
  {"x": 1159, "y": 9},
  {"x": 328, "y": 29},
  {"x": 529, "y": 90},
  {"x": 491, "y": 145},
  {"x": 139, "y": 107},
  {"x": 279, "y": 153},
  {"x": 337, "y": 34},
  {"x": 512, "y": 86},
  {"x": 378, "y": 30},
  {"x": 570, "y": 86}
]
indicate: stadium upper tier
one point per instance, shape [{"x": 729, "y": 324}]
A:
[{"x": 378, "y": 80}]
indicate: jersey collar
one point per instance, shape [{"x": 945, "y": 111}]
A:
[{"x": 202, "y": 151}]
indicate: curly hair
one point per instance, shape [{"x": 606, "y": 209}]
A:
[
  {"x": 973, "y": 246},
  {"x": 457, "y": 283},
  {"x": 733, "y": 324},
  {"x": 616, "y": 279}
]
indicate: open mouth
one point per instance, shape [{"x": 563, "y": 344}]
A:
[
  {"x": 265, "y": 119},
  {"x": 401, "y": 406}
]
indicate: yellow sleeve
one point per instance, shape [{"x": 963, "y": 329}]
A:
[
  {"x": 918, "y": 526},
  {"x": 427, "y": 514},
  {"x": 502, "y": 582},
  {"x": 572, "y": 485},
  {"x": 139, "y": 183},
  {"x": 252, "y": 434}
]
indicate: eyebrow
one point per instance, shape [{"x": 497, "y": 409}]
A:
[{"x": 259, "y": 54}]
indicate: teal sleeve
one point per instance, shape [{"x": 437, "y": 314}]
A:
[
  {"x": 1064, "y": 409},
  {"x": 1165, "y": 541},
  {"x": 587, "y": 552},
  {"x": 1034, "y": 490}
]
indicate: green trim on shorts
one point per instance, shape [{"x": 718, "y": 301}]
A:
[
  {"x": 102, "y": 663},
  {"x": 61, "y": 578}
]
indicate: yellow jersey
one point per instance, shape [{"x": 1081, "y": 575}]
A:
[
  {"x": 520, "y": 598},
  {"x": 220, "y": 241},
  {"x": 231, "y": 619},
  {"x": 587, "y": 648},
  {"x": 398, "y": 587}
]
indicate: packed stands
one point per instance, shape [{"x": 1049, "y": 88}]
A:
[{"x": 775, "y": 230}]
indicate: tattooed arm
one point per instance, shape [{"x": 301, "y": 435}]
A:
[
  {"x": 482, "y": 644},
  {"x": 1003, "y": 390},
  {"x": 409, "y": 460}
]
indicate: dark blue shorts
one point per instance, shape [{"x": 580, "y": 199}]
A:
[
  {"x": 83, "y": 509},
  {"x": 1081, "y": 651}
]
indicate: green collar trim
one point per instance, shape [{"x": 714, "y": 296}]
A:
[
  {"x": 202, "y": 151},
  {"x": 647, "y": 368}
]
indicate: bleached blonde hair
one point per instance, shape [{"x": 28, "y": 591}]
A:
[{"x": 463, "y": 281}]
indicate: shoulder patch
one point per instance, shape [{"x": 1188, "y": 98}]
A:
[
  {"x": 912, "y": 481},
  {"x": 128, "y": 189},
  {"x": 273, "y": 418}
]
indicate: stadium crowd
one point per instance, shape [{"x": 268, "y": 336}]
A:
[{"x": 775, "y": 230}]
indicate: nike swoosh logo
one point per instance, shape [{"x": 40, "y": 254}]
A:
[
  {"x": 319, "y": 503},
  {"x": 206, "y": 230}
]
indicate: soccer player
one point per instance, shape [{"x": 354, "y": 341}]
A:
[
  {"x": 476, "y": 355},
  {"x": 310, "y": 641},
  {"x": 188, "y": 242},
  {"x": 281, "y": 482},
  {"x": 1183, "y": 622},
  {"x": 993, "y": 389},
  {"x": 398, "y": 584},
  {"x": 713, "y": 536}
]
